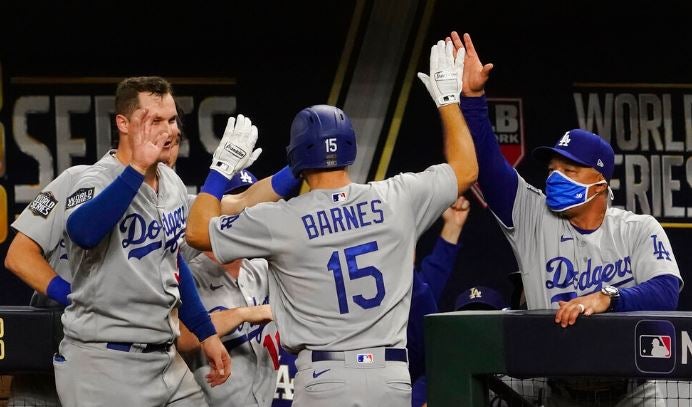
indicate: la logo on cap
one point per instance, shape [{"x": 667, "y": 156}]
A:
[
  {"x": 564, "y": 141},
  {"x": 599, "y": 163}
]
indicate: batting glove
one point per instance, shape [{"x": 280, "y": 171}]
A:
[
  {"x": 235, "y": 151},
  {"x": 444, "y": 82}
]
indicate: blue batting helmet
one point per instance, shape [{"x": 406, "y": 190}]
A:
[{"x": 321, "y": 137}]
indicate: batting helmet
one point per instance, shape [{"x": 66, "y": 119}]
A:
[{"x": 321, "y": 137}]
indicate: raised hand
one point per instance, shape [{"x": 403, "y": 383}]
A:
[
  {"x": 454, "y": 219},
  {"x": 235, "y": 151},
  {"x": 145, "y": 143},
  {"x": 444, "y": 82},
  {"x": 475, "y": 73},
  {"x": 457, "y": 213}
]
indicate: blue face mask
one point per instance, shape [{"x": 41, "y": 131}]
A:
[{"x": 563, "y": 193}]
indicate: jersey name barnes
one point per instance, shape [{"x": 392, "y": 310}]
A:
[
  {"x": 136, "y": 231},
  {"x": 343, "y": 218}
]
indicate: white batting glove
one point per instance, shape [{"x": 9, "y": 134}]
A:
[
  {"x": 444, "y": 82},
  {"x": 234, "y": 152}
]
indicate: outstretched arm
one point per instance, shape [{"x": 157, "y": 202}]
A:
[
  {"x": 225, "y": 321},
  {"x": 444, "y": 85},
  {"x": 497, "y": 178},
  {"x": 436, "y": 267},
  {"x": 235, "y": 152},
  {"x": 269, "y": 189}
]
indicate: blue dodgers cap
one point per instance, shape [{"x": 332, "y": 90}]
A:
[
  {"x": 240, "y": 182},
  {"x": 480, "y": 297},
  {"x": 583, "y": 147}
]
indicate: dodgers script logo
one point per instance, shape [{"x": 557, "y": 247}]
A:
[
  {"x": 145, "y": 235},
  {"x": 562, "y": 275}
]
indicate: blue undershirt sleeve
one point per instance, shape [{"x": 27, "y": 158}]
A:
[
  {"x": 108, "y": 207},
  {"x": 192, "y": 311},
  {"x": 660, "y": 293},
  {"x": 436, "y": 267},
  {"x": 497, "y": 179}
]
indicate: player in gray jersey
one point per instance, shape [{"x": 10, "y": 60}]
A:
[
  {"x": 339, "y": 256},
  {"x": 577, "y": 254},
  {"x": 237, "y": 296},
  {"x": 252, "y": 341},
  {"x": 126, "y": 218},
  {"x": 37, "y": 255}
]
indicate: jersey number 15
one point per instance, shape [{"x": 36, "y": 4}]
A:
[{"x": 354, "y": 273}]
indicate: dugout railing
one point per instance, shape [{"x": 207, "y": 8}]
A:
[{"x": 466, "y": 350}]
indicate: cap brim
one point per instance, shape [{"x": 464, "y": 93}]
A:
[{"x": 544, "y": 154}]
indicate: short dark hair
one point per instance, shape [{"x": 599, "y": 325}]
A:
[{"x": 127, "y": 93}]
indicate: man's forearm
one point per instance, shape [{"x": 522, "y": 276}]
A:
[
  {"x": 458, "y": 146},
  {"x": 204, "y": 208},
  {"x": 260, "y": 191},
  {"x": 25, "y": 259}
]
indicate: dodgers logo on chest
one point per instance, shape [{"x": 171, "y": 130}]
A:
[
  {"x": 141, "y": 236},
  {"x": 562, "y": 274}
]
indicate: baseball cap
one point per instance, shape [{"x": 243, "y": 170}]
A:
[
  {"x": 240, "y": 182},
  {"x": 583, "y": 147},
  {"x": 479, "y": 297}
]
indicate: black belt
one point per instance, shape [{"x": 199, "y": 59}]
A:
[
  {"x": 390, "y": 355},
  {"x": 147, "y": 347}
]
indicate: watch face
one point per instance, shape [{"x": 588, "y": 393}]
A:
[{"x": 610, "y": 291}]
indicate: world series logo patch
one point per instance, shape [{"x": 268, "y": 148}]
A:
[
  {"x": 79, "y": 197},
  {"x": 43, "y": 204}
]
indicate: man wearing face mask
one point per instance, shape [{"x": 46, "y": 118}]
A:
[{"x": 576, "y": 254}]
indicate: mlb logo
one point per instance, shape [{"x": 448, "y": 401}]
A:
[
  {"x": 655, "y": 346},
  {"x": 365, "y": 358},
  {"x": 339, "y": 197},
  {"x": 656, "y": 343}
]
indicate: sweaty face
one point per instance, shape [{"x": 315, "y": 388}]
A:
[{"x": 162, "y": 108}]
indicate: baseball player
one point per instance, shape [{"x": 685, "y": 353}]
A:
[
  {"x": 337, "y": 254},
  {"x": 577, "y": 254},
  {"x": 125, "y": 219},
  {"x": 37, "y": 256},
  {"x": 240, "y": 288}
]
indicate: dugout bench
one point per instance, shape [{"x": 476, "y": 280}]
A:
[{"x": 463, "y": 347}]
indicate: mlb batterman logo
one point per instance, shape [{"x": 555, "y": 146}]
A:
[
  {"x": 365, "y": 358},
  {"x": 339, "y": 197},
  {"x": 655, "y": 346}
]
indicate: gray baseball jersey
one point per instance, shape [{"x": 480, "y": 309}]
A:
[
  {"x": 340, "y": 259},
  {"x": 43, "y": 220},
  {"x": 125, "y": 289},
  {"x": 559, "y": 263},
  {"x": 254, "y": 348}
]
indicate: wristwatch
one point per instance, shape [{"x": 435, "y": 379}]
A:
[{"x": 613, "y": 293}]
